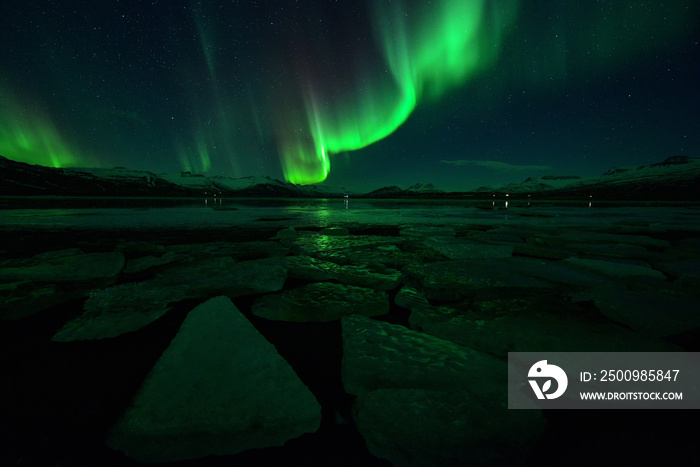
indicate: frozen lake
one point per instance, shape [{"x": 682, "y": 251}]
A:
[
  {"x": 136, "y": 214},
  {"x": 94, "y": 292}
]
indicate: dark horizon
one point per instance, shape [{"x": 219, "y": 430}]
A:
[{"x": 673, "y": 179}]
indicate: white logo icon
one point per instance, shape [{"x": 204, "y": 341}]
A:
[{"x": 542, "y": 370}]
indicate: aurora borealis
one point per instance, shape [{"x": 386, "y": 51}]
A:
[
  {"x": 428, "y": 51},
  {"x": 357, "y": 93}
]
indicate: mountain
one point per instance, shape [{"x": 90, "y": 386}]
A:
[
  {"x": 21, "y": 179},
  {"x": 538, "y": 184},
  {"x": 384, "y": 192},
  {"x": 677, "y": 177},
  {"x": 423, "y": 188},
  {"x": 419, "y": 190},
  {"x": 244, "y": 186}
]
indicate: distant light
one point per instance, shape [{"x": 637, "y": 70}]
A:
[{"x": 507, "y": 194}]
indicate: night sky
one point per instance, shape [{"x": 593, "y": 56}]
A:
[{"x": 361, "y": 94}]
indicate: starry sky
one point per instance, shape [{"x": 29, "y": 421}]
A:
[{"x": 351, "y": 93}]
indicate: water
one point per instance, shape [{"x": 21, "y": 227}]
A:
[
  {"x": 177, "y": 213},
  {"x": 65, "y": 397}
]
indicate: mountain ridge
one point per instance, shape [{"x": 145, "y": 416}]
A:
[{"x": 676, "y": 177}]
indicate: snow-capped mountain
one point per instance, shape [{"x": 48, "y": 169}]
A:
[
  {"x": 538, "y": 184},
  {"x": 23, "y": 179},
  {"x": 423, "y": 188},
  {"x": 219, "y": 185},
  {"x": 677, "y": 177},
  {"x": 419, "y": 190},
  {"x": 385, "y": 192}
]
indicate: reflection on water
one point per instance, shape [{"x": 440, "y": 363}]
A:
[
  {"x": 217, "y": 212},
  {"x": 56, "y": 202}
]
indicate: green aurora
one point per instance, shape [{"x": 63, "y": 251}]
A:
[
  {"x": 428, "y": 51},
  {"x": 28, "y": 134},
  {"x": 362, "y": 88}
]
